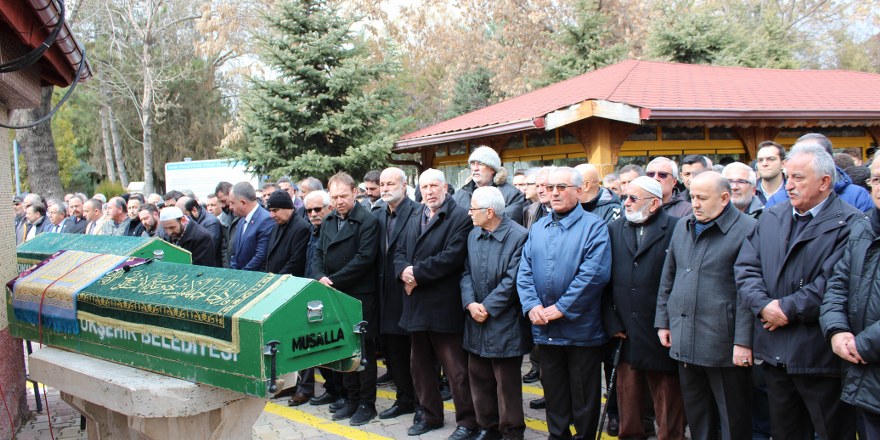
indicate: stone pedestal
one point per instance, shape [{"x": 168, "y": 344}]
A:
[{"x": 121, "y": 402}]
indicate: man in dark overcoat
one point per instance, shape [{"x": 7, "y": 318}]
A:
[
  {"x": 394, "y": 215},
  {"x": 429, "y": 261},
  {"x": 496, "y": 334},
  {"x": 781, "y": 274},
  {"x": 289, "y": 239},
  {"x": 638, "y": 249},
  {"x": 708, "y": 331},
  {"x": 345, "y": 259},
  {"x": 188, "y": 234}
]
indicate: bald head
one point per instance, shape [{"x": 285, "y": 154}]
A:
[
  {"x": 590, "y": 174},
  {"x": 710, "y": 194}
]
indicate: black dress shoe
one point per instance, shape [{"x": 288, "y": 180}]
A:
[
  {"x": 613, "y": 428},
  {"x": 417, "y": 417},
  {"x": 488, "y": 434},
  {"x": 532, "y": 376},
  {"x": 538, "y": 404},
  {"x": 346, "y": 411},
  {"x": 396, "y": 410},
  {"x": 337, "y": 404},
  {"x": 445, "y": 392},
  {"x": 365, "y": 412},
  {"x": 323, "y": 399},
  {"x": 462, "y": 433},
  {"x": 422, "y": 427}
]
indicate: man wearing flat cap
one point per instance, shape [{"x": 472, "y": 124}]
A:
[
  {"x": 486, "y": 170},
  {"x": 638, "y": 249},
  {"x": 289, "y": 238},
  {"x": 188, "y": 234}
]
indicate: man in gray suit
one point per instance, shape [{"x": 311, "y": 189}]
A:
[{"x": 699, "y": 318}]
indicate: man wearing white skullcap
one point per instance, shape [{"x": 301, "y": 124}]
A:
[
  {"x": 486, "y": 170},
  {"x": 638, "y": 249},
  {"x": 188, "y": 234}
]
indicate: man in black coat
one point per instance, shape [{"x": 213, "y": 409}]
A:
[
  {"x": 345, "y": 259},
  {"x": 638, "y": 249},
  {"x": 486, "y": 170},
  {"x": 781, "y": 275},
  {"x": 430, "y": 261},
  {"x": 394, "y": 215},
  {"x": 289, "y": 239},
  {"x": 195, "y": 211},
  {"x": 183, "y": 232}
]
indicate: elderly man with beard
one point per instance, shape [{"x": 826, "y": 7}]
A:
[
  {"x": 708, "y": 331},
  {"x": 742, "y": 180},
  {"x": 565, "y": 266},
  {"x": 345, "y": 259},
  {"x": 189, "y": 235},
  {"x": 486, "y": 170},
  {"x": 638, "y": 247},
  {"x": 394, "y": 215},
  {"x": 429, "y": 261},
  {"x": 496, "y": 334}
]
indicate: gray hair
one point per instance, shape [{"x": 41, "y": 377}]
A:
[
  {"x": 752, "y": 177},
  {"x": 312, "y": 184},
  {"x": 244, "y": 190},
  {"x": 58, "y": 204},
  {"x": 319, "y": 194},
  {"x": 631, "y": 168},
  {"x": 665, "y": 160},
  {"x": 489, "y": 197},
  {"x": 823, "y": 164},
  {"x": 432, "y": 174},
  {"x": 816, "y": 139},
  {"x": 576, "y": 178},
  {"x": 399, "y": 173}
]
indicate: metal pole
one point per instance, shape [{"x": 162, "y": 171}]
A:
[{"x": 15, "y": 159}]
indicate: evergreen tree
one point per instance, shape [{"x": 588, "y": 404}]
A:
[
  {"x": 326, "y": 110},
  {"x": 472, "y": 91},
  {"x": 585, "y": 44}
]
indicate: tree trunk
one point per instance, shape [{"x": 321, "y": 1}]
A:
[
  {"x": 117, "y": 147},
  {"x": 38, "y": 147},
  {"x": 108, "y": 149},
  {"x": 147, "y": 116}
]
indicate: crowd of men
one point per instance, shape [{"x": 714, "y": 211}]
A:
[{"x": 743, "y": 299}]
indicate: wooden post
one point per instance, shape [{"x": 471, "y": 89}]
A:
[
  {"x": 752, "y": 136},
  {"x": 601, "y": 139}
]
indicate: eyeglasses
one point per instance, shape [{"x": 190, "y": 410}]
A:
[
  {"x": 662, "y": 174},
  {"x": 633, "y": 198},
  {"x": 872, "y": 182},
  {"x": 739, "y": 182},
  {"x": 559, "y": 186},
  {"x": 476, "y": 209},
  {"x": 311, "y": 210}
]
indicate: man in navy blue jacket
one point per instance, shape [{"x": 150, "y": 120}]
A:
[
  {"x": 565, "y": 266},
  {"x": 251, "y": 234}
]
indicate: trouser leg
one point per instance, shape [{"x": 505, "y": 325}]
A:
[
  {"x": 423, "y": 362},
  {"x": 397, "y": 355},
  {"x": 668, "y": 405},
  {"x": 454, "y": 360}
]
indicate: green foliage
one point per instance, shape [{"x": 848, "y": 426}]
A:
[
  {"x": 742, "y": 36},
  {"x": 328, "y": 108},
  {"x": 473, "y": 90},
  {"x": 586, "y": 46},
  {"x": 110, "y": 189}
]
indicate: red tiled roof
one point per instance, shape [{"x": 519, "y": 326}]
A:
[{"x": 678, "y": 91}]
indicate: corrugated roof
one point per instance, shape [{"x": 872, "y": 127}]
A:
[{"x": 676, "y": 91}]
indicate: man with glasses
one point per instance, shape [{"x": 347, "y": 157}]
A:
[
  {"x": 769, "y": 163},
  {"x": 541, "y": 206},
  {"x": 486, "y": 170},
  {"x": 742, "y": 180},
  {"x": 565, "y": 266},
  {"x": 638, "y": 248},
  {"x": 665, "y": 171},
  {"x": 519, "y": 181}
]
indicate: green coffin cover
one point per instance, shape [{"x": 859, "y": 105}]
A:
[{"x": 44, "y": 245}]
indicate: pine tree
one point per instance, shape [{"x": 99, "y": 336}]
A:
[{"x": 326, "y": 110}]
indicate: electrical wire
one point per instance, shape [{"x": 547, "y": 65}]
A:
[
  {"x": 8, "y": 413},
  {"x": 34, "y": 55},
  {"x": 48, "y": 116}
]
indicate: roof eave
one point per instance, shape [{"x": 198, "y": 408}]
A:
[
  {"x": 463, "y": 135},
  {"x": 680, "y": 114}
]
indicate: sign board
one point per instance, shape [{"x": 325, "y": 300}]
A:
[{"x": 202, "y": 176}]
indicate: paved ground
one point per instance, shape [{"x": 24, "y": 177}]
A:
[{"x": 280, "y": 421}]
